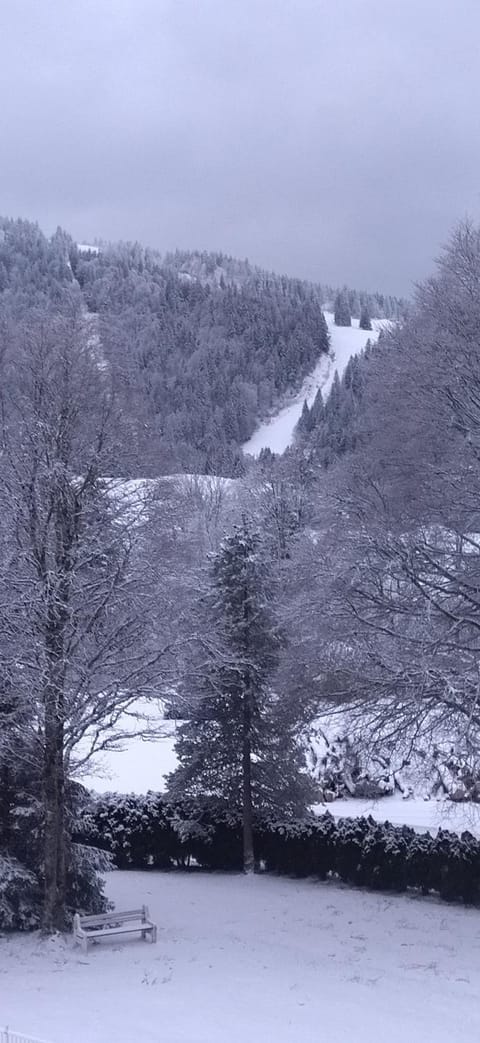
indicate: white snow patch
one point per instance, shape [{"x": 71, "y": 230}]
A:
[
  {"x": 187, "y": 277},
  {"x": 421, "y": 815},
  {"x": 265, "y": 958},
  {"x": 277, "y": 432},
  {"x": 85, "y": 248},
  {"x": 93, "y": 340}
]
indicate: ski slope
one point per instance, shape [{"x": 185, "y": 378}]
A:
[
  {"x": 262, "y": 958},
  {"x": 277, "y": 432}
]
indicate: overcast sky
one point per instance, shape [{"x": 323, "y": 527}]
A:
[{"x": 332, "y": 139}]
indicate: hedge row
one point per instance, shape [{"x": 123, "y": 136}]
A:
[{"x": 151, "y": 831}]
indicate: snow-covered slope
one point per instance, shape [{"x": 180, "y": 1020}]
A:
[{"x": 277, "y": 432}]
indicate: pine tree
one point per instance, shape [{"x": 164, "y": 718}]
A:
[
  {"x": 304, "y": 425},
  {"x": 317, "y": 411},
  {"x": 239, "y": 743},
  {"x": 342, "y": 314},
  {"x": 365, "y": 320}
]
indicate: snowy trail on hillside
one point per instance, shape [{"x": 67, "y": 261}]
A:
[{"x": 277, "y": 432}]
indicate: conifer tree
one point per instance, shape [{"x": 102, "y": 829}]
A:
[
  {"x": 342, "y": 314},
  {"x": 304, "y": 425},
  {"x": 317, "y": 411},
  {"x": 365, "y": 320},
  {"x": 239, "y": 743}
]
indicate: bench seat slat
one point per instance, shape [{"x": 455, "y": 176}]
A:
[
  {"x": 126, "y": 929},
  {"x": 102, "y": 917},
  {"x": 126, "y": 925}
]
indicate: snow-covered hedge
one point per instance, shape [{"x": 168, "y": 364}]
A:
[
  {"x": 151, "y": 831},
  {"x": 379, "y": 856},
  {"x": 142, "y": 831}
]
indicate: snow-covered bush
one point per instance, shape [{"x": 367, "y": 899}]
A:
[
  {"x": 85, "y": 879},
  {"x": 380, "y": 856},
  {"x": 20, "y": 896},
  {"x": 153, "y": 831},
  {"x": 21, "y": 854}
]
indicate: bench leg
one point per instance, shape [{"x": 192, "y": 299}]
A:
[
  {"x": 154, "y": 934},
  {"x": 85, "y": 945}
]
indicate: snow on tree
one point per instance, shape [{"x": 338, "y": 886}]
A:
[
  {"x": 77, "y": 642},
  {"x": 304, "y": 425},
  {"x": 342, "y": 312},
  {"x": 404, "y": 574},
  {"x": 365, "y": 322},
  {"x": 318, "y": 409},
  {"x": 240, "y": 740}
]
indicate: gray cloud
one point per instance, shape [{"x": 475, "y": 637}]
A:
[{"x": 333, "y": 140}]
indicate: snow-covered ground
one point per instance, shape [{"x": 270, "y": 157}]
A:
[
  {"x": 263, "y": 958},
  {"x": 421, "y": 814},
  {"x": 277, "y": 432}
]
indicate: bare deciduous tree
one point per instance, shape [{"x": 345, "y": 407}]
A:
[{"x": 80, "y": 642}]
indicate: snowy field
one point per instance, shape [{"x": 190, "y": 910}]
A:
[
  {"x": 277, "y": 433},
  {"x": 422, "y": 815},
  {"x": 264, "y": 959}
]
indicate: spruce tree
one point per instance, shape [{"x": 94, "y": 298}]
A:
[
  {"x": 304, "y": 425},
  {"x": 239, "y": 742},
  {"x": 342, "y": 314},
  {"x": 365, "y": 320},
  {"x": 317, "y": 411}
]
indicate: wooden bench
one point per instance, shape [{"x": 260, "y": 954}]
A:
[{"x": 106, "y": 925}]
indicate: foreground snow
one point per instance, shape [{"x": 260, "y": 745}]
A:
[
  {"x": 263, "y": 959},
  {"x": 277, "y": 433}
]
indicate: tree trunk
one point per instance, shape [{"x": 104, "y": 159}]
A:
[
  {"x": 53, "y": 918},
  {"x": 247, "y": 809},
  {"x": 55, "y": 887}
]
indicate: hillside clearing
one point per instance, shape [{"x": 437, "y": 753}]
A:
[{"x": 277, "y": 432}]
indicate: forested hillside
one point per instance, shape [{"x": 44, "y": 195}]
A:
[{"x": 200, "y": 347}]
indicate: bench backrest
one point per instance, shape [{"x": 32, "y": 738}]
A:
[{"x": 101, "y": 919}]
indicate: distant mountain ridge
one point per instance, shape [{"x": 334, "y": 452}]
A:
[{"x": 200, "y": 346}]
